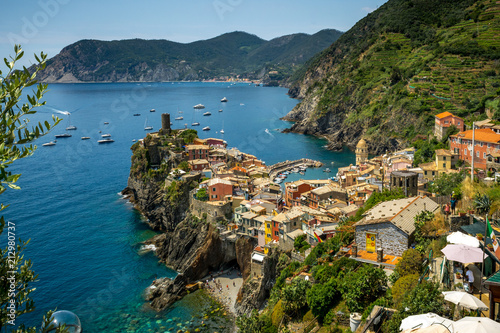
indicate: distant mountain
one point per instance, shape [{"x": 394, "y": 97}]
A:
[
  {"x": 230, "y": 54},
  {"x": 386, "y": 78}
]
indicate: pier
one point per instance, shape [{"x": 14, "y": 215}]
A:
[{"x": 275, "y": 169}]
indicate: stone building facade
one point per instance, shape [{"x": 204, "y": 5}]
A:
[
  {"x": 392, "y": 240},
  {"x": 361, "y": 152},
  {"x": 406, "y": 180}
]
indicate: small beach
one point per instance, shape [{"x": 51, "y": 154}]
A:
[{"x": 224, "y": 287}]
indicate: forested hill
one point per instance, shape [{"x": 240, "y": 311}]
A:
[
  {"x": 231, "y": 54},
  {"x": 388, "y": 76}
]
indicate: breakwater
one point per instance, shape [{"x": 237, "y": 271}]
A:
[{"x": 275, "y": 169}]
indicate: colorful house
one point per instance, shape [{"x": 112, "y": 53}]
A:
[
  {"x": 197, "y": 152},
  {"x": 294, "y": 191},
  {"x": 486, "y": 141},
  {"x": 199, "y": 165},
  {"x": 445, "y": 120},
  {"x": 218, "y": 188}
]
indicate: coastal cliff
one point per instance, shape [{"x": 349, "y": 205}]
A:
[{"x": 386, "y": 78}]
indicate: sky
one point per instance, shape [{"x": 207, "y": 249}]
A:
[{"x": 50, "y": 25}]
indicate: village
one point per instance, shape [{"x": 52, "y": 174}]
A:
[{"x": 248, "y": 199}]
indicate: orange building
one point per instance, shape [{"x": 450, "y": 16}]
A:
[
  {"x": 218, "y": 189},
  {"x": 197, "y": 152},
  {"x": 445, "y": 120},
  {"x": 486, "y": 141},
  {"x": 293, "y": 192}
]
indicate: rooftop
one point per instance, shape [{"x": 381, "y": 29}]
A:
[
  {"x": 445, "y": 114},
  {"x": 191, "y": 147},
  {"x": 481, "y": 134},
  {"x": 215, "y": 181}
]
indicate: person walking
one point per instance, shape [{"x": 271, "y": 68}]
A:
[
  {"x": 447, "y": 210},
  {"x": 453, "y": 203},
  {"x": 470, "y": 279}
]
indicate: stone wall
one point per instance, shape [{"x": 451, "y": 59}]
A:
[
  {"x": 456, "y": 221},
  {"x": 392, "y": 240},
  {"x": 214, "y": 212}
]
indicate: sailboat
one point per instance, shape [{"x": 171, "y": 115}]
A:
[
  {"x": 146, "y": 126},
  {"x": 222, "y": 130},
  {"x": 70, "y": 127}
]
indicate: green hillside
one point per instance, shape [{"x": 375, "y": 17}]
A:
[
  {"x": 230, "y": 54},
  {"x": 388, "y": 76}
]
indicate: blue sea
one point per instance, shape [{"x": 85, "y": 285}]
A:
[{"x": 85, "y": 239}]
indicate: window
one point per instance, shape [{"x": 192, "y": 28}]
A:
[
  {"x": 484, "y": 155},
  {"x": 477, "y": 154},
  {"x": 276, "y": 233},
  {"x": 481, "y": 144},
  {"x": 269, "y": 226},
  {"x": 213, "y": 189},
  {"x": 465, "y": 151},
  {"x": 444, "y": 158},
  {"x": 489, "y": 145},
  {"x": 214, "y": 196},
  {"x": 425, "y": 173},
  {"x": 458, "y": 123},
  {"x": 456, "y": 150},
  {"x": 444, "y": 165},
  {"x": 433, "y": 173}
]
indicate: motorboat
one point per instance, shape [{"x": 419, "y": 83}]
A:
[
  {"x": 199, "y": 106},
  {"x": 206, "y": 128},
  {"x": 85, "y": 137},
  {"x": 222, "y": 131},
  {"x": 106, "y": 135},
  {"x": 107, "y": 140},
  {"x": 179, "y": 118},
  {"x": 71, "y": 128},
  {"x": 137, "y": 114},
  {"x": 64, "y": 135},
  {"x": 195, "y": 124},
  {"x": 220, "y": 110},
  {"x": 327, "y": 170},
  {"x": 152, "y": 110},
  {"x": 224, "y": 100},
  {"x": 51, "y": 143},
  {"x": 106, "y": 123},
  {"x": 207, "y": 114}
]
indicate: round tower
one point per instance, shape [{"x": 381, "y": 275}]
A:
[
  {"x": 361, "y": 152},
  {"x": 165, "y": 122}
]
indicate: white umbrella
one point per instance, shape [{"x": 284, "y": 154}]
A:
[
  {"x": 476, "y": 325},
  {"x": 434, "y": 328},
  {"x": 460, "y": 238},
  {"x": 425, "y": 320},
  {"x": 463, "y": 253},
  {"x": 465, "y": 300}
]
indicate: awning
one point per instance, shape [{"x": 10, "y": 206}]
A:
[{"x": 258, "y": 257}]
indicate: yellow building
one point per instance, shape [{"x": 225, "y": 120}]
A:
[{"x": 361, "y": 152}]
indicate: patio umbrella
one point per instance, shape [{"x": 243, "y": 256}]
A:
[
  {"x": 460, "y": 238},
  {"x": 476, "y": 325},
  {"x": 465, "y": 300},
  {"x": 434, "y": 328},
  {"x": 463, "y": 253},
  {"x": 422, "y": 321}
]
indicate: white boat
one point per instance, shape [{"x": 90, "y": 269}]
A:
[
  {"x": 207, "y": 114},
  {"x": 152, "y": 110},
  {"x": 64, "y": 135},
  {"x": 224, "y": 100},
  {"x": 206, "y": 128},
  {"x": 106, "y": 135},
  {"x": 51, "y": 143},
  {"x": 70, "y": 127},
  {"x": 106, "y": 123},
  {"x": 85, "y": 137},
  {"x": 326, "y": 170},
  {"x": 146, "y": 126},
  {"x": 107, "y": 140},
  {"x": 199, "y": 106},
  {"x": 220, "y": 110},
  {"x": 222, "y": 131},
  {"x": 195, "y": 124},
  {"x": 179, "y": 118},
  {"x": 134, "y": 140}
]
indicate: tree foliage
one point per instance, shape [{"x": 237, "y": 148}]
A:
[
  {"x": 447, "y": 183},
  {"x": 202, "y": 194},
  {"x": 321, "y": 298},
  {"x": 403, "y": 286},
  {"x": 255, "y": 323},
  {"x": 294, "y": 296},
  {"x": 16, "y": 136},
  {"x": 410, "y": 263}
]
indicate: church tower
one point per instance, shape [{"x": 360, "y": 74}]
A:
[{"x": 361, "y": 152}]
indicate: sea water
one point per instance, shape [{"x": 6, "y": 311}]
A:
[{"x": 85, "y": 238}]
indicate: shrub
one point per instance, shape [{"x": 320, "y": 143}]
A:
[
  {"x": 278, "y": 313},
  {"x": 402, "y": 286},
  {"x": 410, "y": 263}
]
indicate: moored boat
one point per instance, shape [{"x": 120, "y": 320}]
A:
[
  {"x": 85, "y": 137},
  {"x": 107, "y": 140},
  {"x": 51, "y": 143},
  {"x": 137, "y": 114},
  {"x": 224, "y": 100},
  {"x": 179, "y": 118},
  {"x": 195, "y": 124},
  {"x": 199, "y": 106},
  {"x": 106, "y": 135},
  {"x": 64, "y": 135},
  {"x": 206, "y": 128},
  {"x": 207, "y": 114},
  {"x": 152, "y": 110}
]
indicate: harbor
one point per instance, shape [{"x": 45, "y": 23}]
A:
[{"x": 293, "y": 166}]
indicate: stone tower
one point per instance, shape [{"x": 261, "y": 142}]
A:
[
  {"x": 165, "y": 123},
  {"x": 361, "y": 152}
]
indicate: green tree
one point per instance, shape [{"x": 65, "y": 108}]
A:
[
  {"x": 321, "y": 298},
  {"x": 361, "y": 287},
  {"x": 410, "y": 263},
  {"x": 446, "y": 183},
  {"x": 294, "y": 296},
  {"x": 255, "y": 323},
  {"x": 402, "y": 286},
  {"x": 202, "y": 194},
  {"x": 184, "y": 166},
  {"x": 16, "y": 137}
]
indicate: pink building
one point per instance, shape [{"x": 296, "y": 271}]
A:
[
  {"x": 218, "y": 189},
  {"x": 445, "y": 120}
]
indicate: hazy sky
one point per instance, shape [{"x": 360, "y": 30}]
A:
[{"x": 50, "y": 25}]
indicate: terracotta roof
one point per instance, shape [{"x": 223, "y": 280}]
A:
[
  {"x": 215, "y": 181},
  {"x": 482, "y": 134},
  {"x": 190, "y": 147},
  {"x": 444, "y": 115}
]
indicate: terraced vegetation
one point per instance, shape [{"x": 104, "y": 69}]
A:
[{"x": 390, "y": 74}]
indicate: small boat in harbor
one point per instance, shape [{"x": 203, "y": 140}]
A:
[
  {"x": 71, "y": 128},
  {"x": 195, "y": 124},
  {"x": 224, "y": 100},
  {"x": 207, "y": 114},
  {"x": 222, "y": 131},
  {"x": 106, "y": 135},
  {"x": 51, "y": 143},
  {"x": 85, "y": 137},
  {"x": 179, "y": 118},
  {"x": 199, "y": 106},
  {"x": 64, "y": 135},
  {"x": 107, "y": 140},
  {"x": 327, "y": 170},
  {"x": 206, "y": 128},
  {"x": 106, "y": 123},
  {"x": 220, "y": 110},
  {"x": 152, "y": 110},
  {"x": 137, "y": 114}
]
